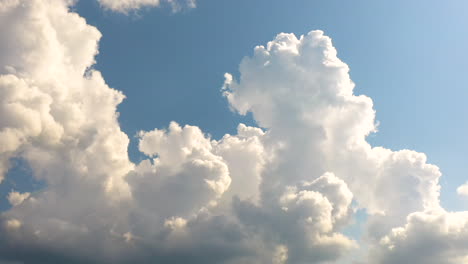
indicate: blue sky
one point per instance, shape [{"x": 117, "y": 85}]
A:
[
  {"x": 409, "y": 56},
  {"x": 305, "y": 188}
]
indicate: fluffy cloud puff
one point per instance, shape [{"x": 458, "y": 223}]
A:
[
  {"x": 124, "y": 6},
  {"x": 185, "y": 172},
  {"x": 281, "y": 193},
  {"x": 463, "y": 189},
  {"x": 98, "y": 207},
  {"x": 16, "y": 198}
]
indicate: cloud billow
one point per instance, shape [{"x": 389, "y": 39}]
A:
[
  {"x": 463, "y": 189},
  {"x": 282, "y": 192}
]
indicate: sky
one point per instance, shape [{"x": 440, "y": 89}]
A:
[{"x": 233, "y": 131}]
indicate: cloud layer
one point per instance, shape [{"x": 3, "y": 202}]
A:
[{"x": 282, "y": 192}]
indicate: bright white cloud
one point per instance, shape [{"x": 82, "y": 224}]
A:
[
  {"x": 58, "y": 115},
  {"x": 246, "y": 158},
  {"x": 281, "y": 193},
  {"x": 301, "y": 92},
  {"x": 124, "y": 6},
  {"x": 186, "y": 172},
  {"x": 462, "y": 190},
  {"x": 12, "y": 225}
]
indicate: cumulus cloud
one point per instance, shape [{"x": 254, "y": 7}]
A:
[
  {"x": 300, "y": 92},
  {"x": 428, "y": 237},
  {"x": 462, "y": 190},
  {"x": 59, "y": 115},
  {"x": 299, "y": 87},
  {"x": 124, "y": 6},
  {"x": 279, "y": 193}
]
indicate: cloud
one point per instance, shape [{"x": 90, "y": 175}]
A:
[
  {"x": 58, "y": 115},
  {"x": 428, "y": 237},
  {"x": 300, "y": 92},
  {"x": 16, "y": 198},
  {"x": 124, "y": 6},
  {"x": 303, "y": 226},
  {"x": 282, "y": 192},
  {"x": 462, "y": 190},
  {"x": 186, "y": 172}
]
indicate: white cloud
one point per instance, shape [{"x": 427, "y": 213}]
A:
[
  {"x": 185, "y": 172},
  {"x": 124, "y": 6},
  {"x": 12, "y": 224},
  {"x": 281, "y": 193},
  {"x": 432, "y": 237},
  {"x": 59, "y": 116},
  {"x": 16, "y": 198},
  {"x": 300, "y": 92},
  {"x": 46, "y": 100},
  {"x": 246, "y": 157},
  {"x": 462, "y": 190}
]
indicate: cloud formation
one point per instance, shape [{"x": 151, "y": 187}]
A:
[
  {"x": 428, "y": 237},
  {"x": 282, "y": 192},
  {"x": 16, "y": 198},
  {"x": 124, "y": 6}
]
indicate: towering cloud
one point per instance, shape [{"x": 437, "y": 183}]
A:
[
  {"x": 279, "y": 193},
  {"x": 16, "y": 198},
  {"x": 299, "y": 91}
]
